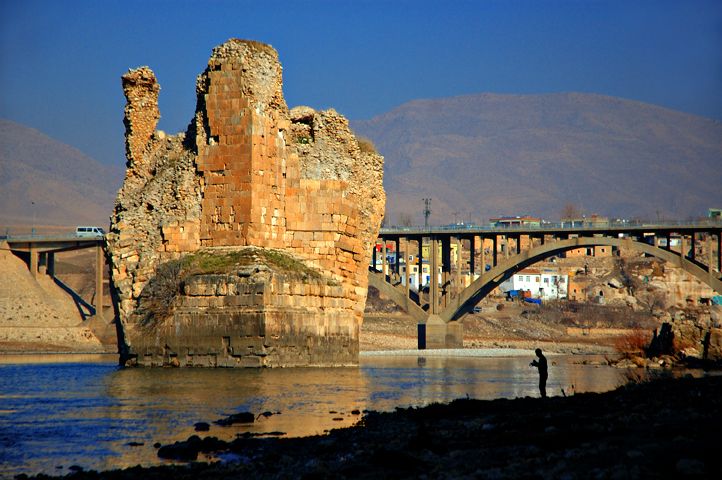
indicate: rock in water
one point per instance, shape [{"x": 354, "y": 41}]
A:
[
  {"x": 243, "y": 417},
  {"x": 245, "y": 240}
]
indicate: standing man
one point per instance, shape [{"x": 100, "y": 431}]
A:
[{"x": 541, "y": 364}]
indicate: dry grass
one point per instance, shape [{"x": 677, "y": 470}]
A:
[
  {"x": 158, "y": 297},
  {"x": 633, "y": 344},
  {"x": 366, "y": 145}
]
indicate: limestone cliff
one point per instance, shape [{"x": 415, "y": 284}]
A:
[{"x": 247, "y": 173}]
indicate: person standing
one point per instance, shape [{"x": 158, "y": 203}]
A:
[{"x": 541, "y": 364}]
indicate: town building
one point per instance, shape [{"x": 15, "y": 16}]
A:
[
  {"x": 545, "y": 283},
  {"x": 517, "y": 221}
]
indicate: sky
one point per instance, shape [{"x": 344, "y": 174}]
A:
[{"x": 61, "y": 61}]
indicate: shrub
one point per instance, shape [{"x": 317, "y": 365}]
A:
[
  {"x": 157, "y": 298},
  {"x": 366, "y": 145},
  {"x": 632, "y": 344}
]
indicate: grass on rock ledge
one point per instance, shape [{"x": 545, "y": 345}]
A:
[{"x": 158, "y": 297}]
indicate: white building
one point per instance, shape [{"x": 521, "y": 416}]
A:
[{"x": 546, "y": 284}]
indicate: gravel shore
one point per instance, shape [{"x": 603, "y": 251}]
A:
[{"x": 450, "y": 352}]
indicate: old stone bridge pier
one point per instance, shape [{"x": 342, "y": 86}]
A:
[{"x": 510, "y": 250}]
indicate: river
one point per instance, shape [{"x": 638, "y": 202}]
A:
[{"x": 57, "y": 411}]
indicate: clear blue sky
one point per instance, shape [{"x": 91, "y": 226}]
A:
[{"x": 61, "y": 61}]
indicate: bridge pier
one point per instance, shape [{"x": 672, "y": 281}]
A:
[
  {"x": 420, "y": 258},
  {"x": 51, "y": 264},
  {"x": 34, "y": 260},
  {"x": 440, "y": 334},
  {"x": 433, "y": 277},
  {"x": 99, "y": 264}
]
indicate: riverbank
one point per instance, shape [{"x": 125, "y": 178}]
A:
[
  {"x": 38, "y": 316},
  {"x": 508, "y": 329},
  {"x": 660, "y": 429}
]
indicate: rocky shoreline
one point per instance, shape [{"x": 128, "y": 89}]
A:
[{"x": 658, "y": 429}]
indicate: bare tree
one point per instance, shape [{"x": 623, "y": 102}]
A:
[
  {"x": 571, "y": 211},
  {"x": 654, "y": 299},
  {"x": 404, "y": 219}
]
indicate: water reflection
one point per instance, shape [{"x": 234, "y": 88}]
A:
[{"x": 86, "y": 413}]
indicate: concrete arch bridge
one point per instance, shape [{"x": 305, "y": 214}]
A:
[{"x": 502, "y": 252}]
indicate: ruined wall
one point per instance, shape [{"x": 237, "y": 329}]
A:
[{"x": 247, "y": 173}]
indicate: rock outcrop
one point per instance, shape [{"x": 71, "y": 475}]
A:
[{"x": 246, "y": 239}]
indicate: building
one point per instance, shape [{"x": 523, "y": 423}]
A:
[
  {"x": 518, "y": 221},
  {"x": 598, "y": 251},
  {"x": 547, "y": 284},
  {"x": 593, "y": 220}
]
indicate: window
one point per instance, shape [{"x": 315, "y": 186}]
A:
[{"x": 536, "y": 279}]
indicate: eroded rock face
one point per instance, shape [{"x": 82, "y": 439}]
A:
[{"x": 247, "y": 173}]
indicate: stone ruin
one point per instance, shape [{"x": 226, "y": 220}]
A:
[{"x": 246, "y": 240}]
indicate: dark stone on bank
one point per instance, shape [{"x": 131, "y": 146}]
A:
[
  {"x": 243, "y": 417},
  {"x": 135, "y": 444},
  {"x": 188, "y": 450},
  {"x": 202, "y": 426},
  {"x": 262, "y": 434}
]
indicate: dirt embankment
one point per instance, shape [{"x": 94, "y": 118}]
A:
[
  {"x": 37, "y": 315},
  {"x": 563, "y": 327}
]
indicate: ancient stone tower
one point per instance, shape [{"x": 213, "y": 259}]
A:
[{"x": 246, "y": 240}]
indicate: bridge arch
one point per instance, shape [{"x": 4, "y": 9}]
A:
[
  {"x": 488, "y": 281},
  {"x": 379, "y": 281}
]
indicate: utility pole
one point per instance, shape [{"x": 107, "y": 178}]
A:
[{"x": 427, "y": 211}]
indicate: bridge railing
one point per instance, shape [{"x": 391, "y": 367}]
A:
[
  {"x": 556, "y": 226},
  {"x": 35, "y": 236}
]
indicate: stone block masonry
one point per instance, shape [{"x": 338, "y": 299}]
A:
[{"x": 247, "y": 173}]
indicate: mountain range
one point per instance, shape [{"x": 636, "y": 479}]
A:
[
  {"x": 486, "y": 155},
  {"x": 45, "y": 182},
  {"x": 475, "y": 156}
]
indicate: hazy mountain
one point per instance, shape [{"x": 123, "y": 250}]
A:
[
  {"x": 484, "y": 155},
  {"x": 66, "y": 186},
  {"x": 476, "y": 156}
]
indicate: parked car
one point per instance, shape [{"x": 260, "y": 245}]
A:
[{"x": 89, "y": 232}]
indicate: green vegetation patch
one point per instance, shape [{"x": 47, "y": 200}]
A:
[
  {"x": 157, "y": 299},
  {"x": 229, "y": 261}
]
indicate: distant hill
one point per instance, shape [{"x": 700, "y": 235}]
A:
[
  {"x": 479, "y": 156},
  {"x": 67, "y": 187}
]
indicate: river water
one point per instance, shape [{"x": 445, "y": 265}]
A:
[{"x": 58, "y": 411}]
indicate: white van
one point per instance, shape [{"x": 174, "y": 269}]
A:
[{"x": 89, "y": 232}]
